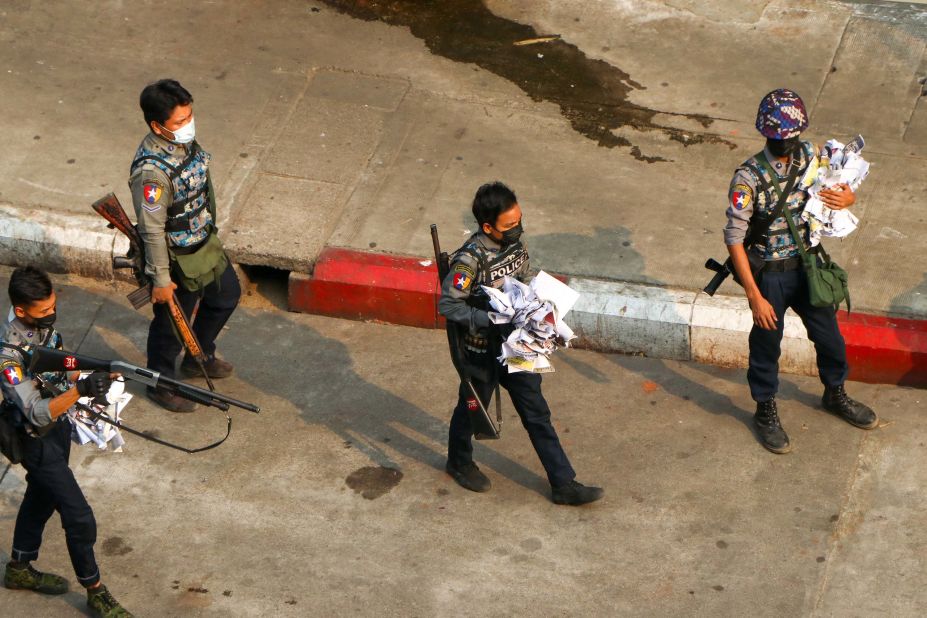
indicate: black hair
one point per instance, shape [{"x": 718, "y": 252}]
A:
[
  {"x": 492, "y": 199},
  {"x": 29, "y": 284},
  {"x": 159, "y": 99}
]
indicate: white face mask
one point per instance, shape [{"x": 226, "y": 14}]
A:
[{"x": 185, "y": 134}]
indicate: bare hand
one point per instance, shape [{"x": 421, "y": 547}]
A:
[
  {"x": 163, "y": 295},
  {"x": 764, "y": 315},
  {"x": 838, "y": 197}
]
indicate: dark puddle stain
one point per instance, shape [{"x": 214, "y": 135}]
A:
[
  {"x": 371, "y": 482},
  {"x": 592, "y": 94},
  {"x": 115, "y": 546}
]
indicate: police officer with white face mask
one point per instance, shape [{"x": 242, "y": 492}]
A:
[{"x": 175, "y": 207}]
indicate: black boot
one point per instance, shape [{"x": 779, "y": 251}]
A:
[
  {"x": 769, "y": 429},
  {"x": 837, "y": 401},
  {"x": 575, "y": 494},
  {"x": 469, "y": 477}
]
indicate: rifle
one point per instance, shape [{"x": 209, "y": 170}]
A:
[
  {"x": 110, "y": 209},
  {"x": 483, "y": 426},
  {"x": 722, "y": 271},
  {"x": 43, "y": 360}
]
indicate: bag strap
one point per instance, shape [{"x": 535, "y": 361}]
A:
[{"x": 783, "y": 197}]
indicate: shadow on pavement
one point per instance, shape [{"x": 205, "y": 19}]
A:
[{"x": 276, "y": 354}]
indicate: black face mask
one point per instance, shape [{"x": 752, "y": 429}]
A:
[
  {"x": 783, "y": 147},
  {"x": 45, "y": 321},
  {"x": 511, "y": 235}
]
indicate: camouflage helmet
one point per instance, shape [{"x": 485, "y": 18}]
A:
[{"x": 781, "y": 115}]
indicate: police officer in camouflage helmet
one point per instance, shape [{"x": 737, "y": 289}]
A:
[
  {"x": 175, "y": 208},
  {"x": 782, "y": 284},
  {"x": 488, "y": 256}
]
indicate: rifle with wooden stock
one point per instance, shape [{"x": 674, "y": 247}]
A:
[{"x": 110, "y": 209}]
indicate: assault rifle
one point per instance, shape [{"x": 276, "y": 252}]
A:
[
  {"x": 484, "y": 428},
  {"x": 110, "y": 209}
]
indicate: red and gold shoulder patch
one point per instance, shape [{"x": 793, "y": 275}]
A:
[
  {"x": 741, "y": 196},
  {"x": 152, "y": 192},
  {"x": 12, "y": 372}
]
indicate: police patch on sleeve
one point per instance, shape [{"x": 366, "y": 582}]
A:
[
  {"x": 463, "y": 277},
  {"x": 741, "y": 196},
  {"x": 462, "y": 281},
  {"x": 12, "y": 372},
  {"x": 151, "y": 193}
]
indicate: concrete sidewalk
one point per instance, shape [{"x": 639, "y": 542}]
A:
[
  {"x": 333, "y": 501},
  {"x": 355, "y": 125}
]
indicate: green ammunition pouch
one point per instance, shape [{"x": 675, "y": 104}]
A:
[
  {"x": 200, "y": 266},
  {"x": 827, "y": 283}
]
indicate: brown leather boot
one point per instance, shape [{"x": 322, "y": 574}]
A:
[
  {"x": 215, "y": 367},
  {"x": 170, "y": 401}
]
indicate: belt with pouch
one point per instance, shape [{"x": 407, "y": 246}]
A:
[{"x": 192, "y": 248}]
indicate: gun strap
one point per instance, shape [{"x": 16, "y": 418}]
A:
[
  {"x": 783, "y": 195},
  {"x": 99, "y": 416}
]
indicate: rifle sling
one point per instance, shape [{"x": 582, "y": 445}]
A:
[
  {"x": 755, "y": 235},
  {"x": 99, "y": 416}
]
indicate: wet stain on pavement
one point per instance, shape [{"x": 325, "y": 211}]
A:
[
  {"x": 371, "y": 482},
  {"x": 115, "y": 546},
  {"x": 592, "y": 94}
]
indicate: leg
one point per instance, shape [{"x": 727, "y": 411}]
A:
[
  {"x": 216, "y": 307},
  {"x": 163, "y": 346},
  {"x": 36, "y": 508},
  {"x": 529, "y": 402},
  {"x": 765, "y": 345},
  {"x": 821, "y": 323},
  {"x": 460, "y": 434},
  {"x": 56, "y": 481},
  {"x": 833, "y": 368}
]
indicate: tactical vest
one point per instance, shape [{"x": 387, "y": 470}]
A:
[
  {"x": 494, "y": 266},
  {"x": 779, "y": 243},
  {"x": 190, "y": 216},
  {"x": 58, "y": 379}
]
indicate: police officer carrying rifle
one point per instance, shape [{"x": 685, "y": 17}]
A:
[
  {"x": 781, "y": 281},
  {"x": 485, "y": 259},
  {"x": 38, "y": 405},
  {"x": 175, "y": 208}
]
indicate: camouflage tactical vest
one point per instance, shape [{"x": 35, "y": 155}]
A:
[
  {"x": 779, "y": 241},
  {"x": 189, "y": 217}
]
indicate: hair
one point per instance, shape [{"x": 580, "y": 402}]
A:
[
  {"x": 492, "y": 199},
  {"x": 159, "y": 99},
  {"x": 29, "y": 284}
]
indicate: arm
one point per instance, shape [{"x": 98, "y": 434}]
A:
[
  {"x": 525, "y": 273},
  {"x": 456, "y": 289},
  {"x": 152, "y": 194},
  {"x": 838, "y": 197},
  {"x": 763, "y": 314},
  {"x": 26, "y": 396},
  {"x": 739, "y": 214}
]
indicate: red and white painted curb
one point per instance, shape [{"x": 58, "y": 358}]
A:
[{"x": 615, "y": 317}]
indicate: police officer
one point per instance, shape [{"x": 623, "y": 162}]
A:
[
  {"x": 175, "y": 208},
  {"x": 485, "y": 259},
  {"x": 782, "y": 282},
  {"x": 40, "y": 405}
]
